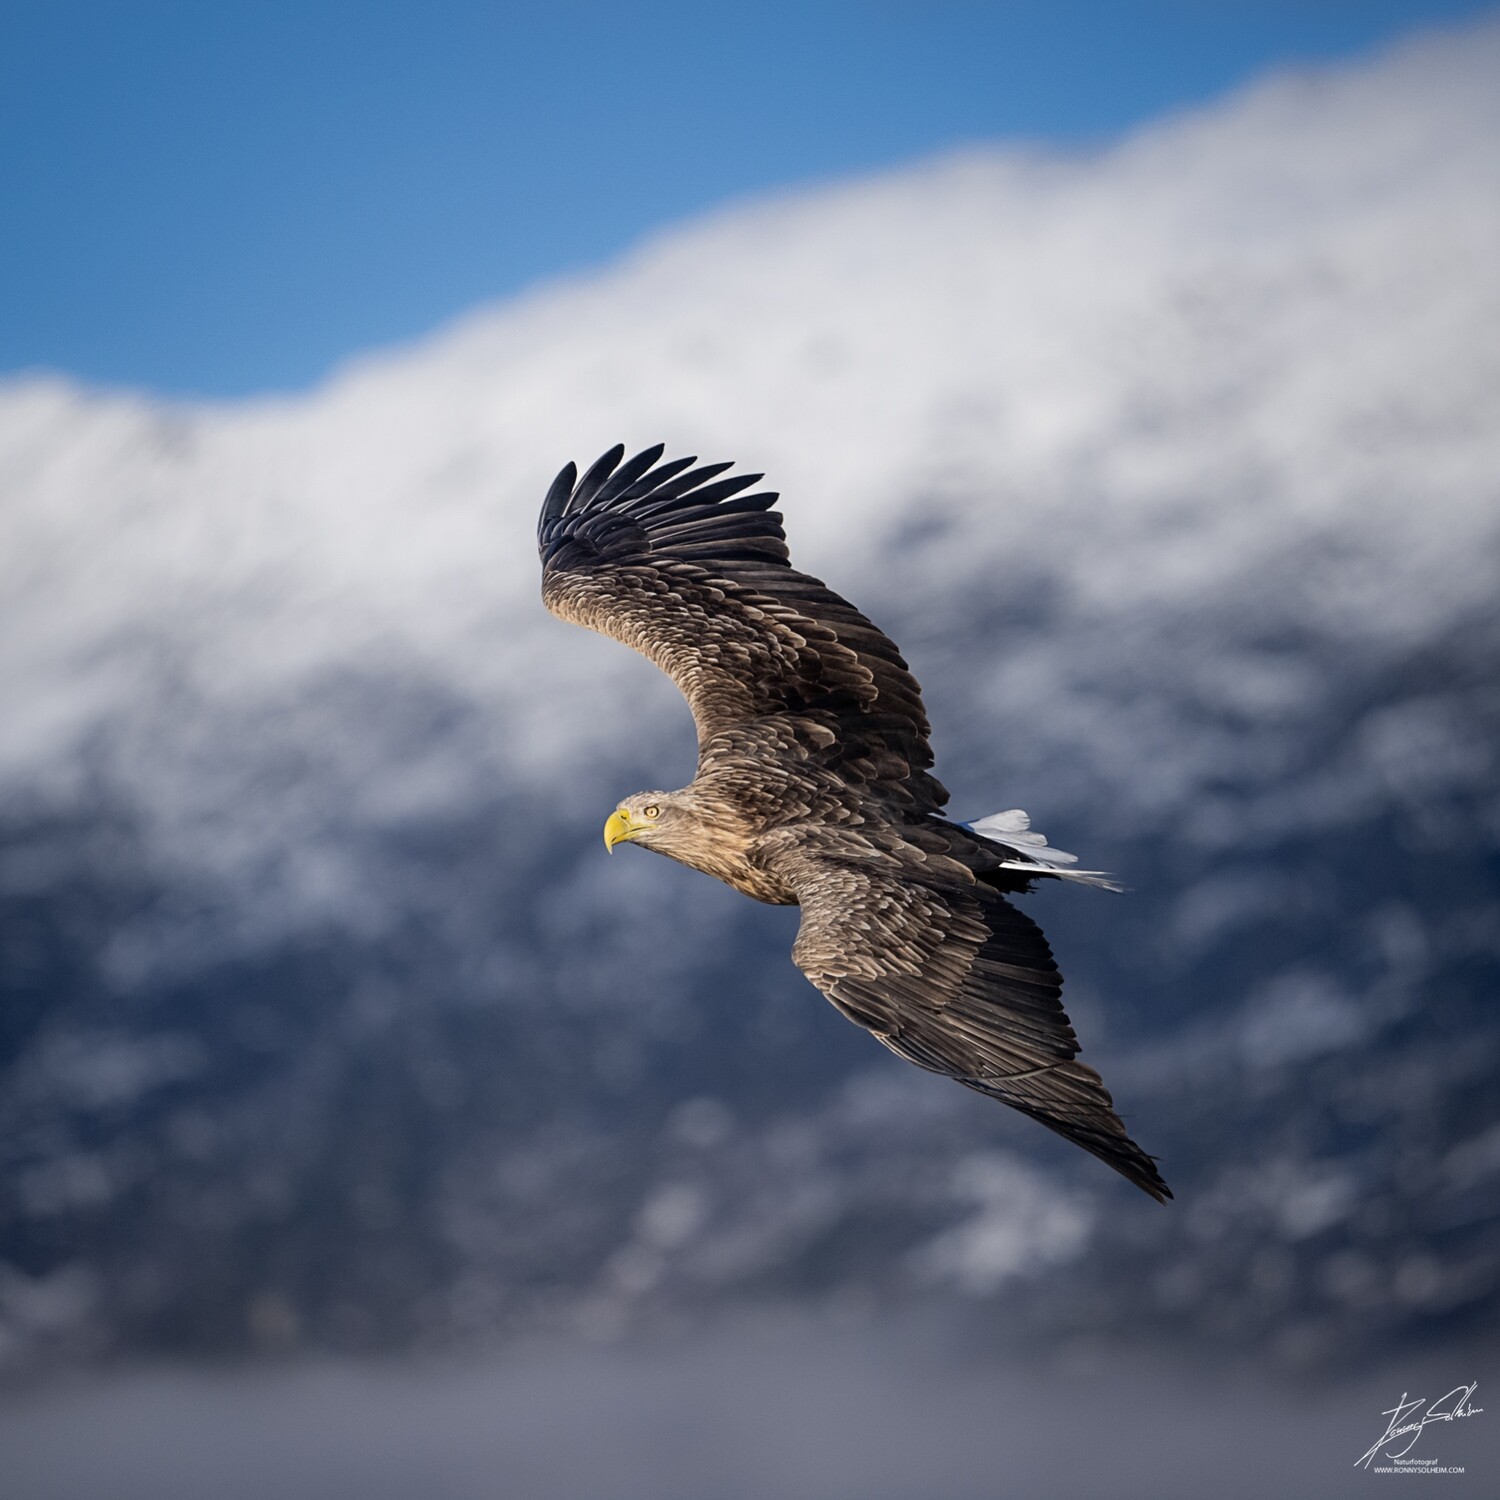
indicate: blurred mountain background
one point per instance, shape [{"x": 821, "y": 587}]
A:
[{"x": 1172, "y": 465}]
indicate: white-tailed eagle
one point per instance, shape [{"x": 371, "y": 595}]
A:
[{"x": 813, "y": 787}]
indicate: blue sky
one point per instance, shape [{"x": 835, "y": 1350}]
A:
[{"x": 214, "y": 197}]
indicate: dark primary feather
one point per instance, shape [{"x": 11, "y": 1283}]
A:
[
  {"x": 813, "y": 784},
  {"x": 559, "y": 494},
  {"x": 593, "y": 480}
]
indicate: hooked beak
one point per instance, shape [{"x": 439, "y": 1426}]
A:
[{"x": 617, "y": 830}]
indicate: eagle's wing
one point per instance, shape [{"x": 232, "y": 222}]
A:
[
  {"x": 677, "y": 563},
  {"x": 952, "y": 977}
]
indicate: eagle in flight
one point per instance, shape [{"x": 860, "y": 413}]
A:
[{"x": 814, "y": 790}]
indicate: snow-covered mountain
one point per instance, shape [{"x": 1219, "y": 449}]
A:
[{"x": 1175, "y": 470}]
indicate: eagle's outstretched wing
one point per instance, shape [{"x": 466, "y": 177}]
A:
[
  {"x": 952, "y": 977},
  {"x": 679, "y": 564}
]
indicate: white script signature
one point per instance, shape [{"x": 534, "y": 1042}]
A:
[{"x": 1406, "y": 1422}]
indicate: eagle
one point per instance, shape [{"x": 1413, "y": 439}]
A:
[{"x": 814, "y": 787}]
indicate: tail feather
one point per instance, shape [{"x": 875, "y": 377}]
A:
[{"x": 1013, "y": 832}]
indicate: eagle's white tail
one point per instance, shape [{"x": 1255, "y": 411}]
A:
[{"x": 1012, "y": 830}]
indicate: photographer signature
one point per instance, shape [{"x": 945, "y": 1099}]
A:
[{"x": 1447, "y": 1408}]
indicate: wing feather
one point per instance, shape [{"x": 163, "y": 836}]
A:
[{"x": 593, "y": 481}]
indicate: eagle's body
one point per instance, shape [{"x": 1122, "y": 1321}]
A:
[{"x": 813, "y": 787}]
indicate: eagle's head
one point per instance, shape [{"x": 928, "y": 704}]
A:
[{"x": 647, "y": 818}]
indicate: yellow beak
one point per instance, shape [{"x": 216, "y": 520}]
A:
[{"x": 617, "y": 830}]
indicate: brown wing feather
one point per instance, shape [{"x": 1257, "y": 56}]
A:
[
  {"x": 695, "y": 576},
  {"x": 953, "y": 978}
]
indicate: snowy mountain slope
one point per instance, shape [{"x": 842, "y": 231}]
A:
[{"x": 1174, "y": 469}]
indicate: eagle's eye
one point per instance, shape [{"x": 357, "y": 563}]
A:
[{"x": 653, "y": 811}]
